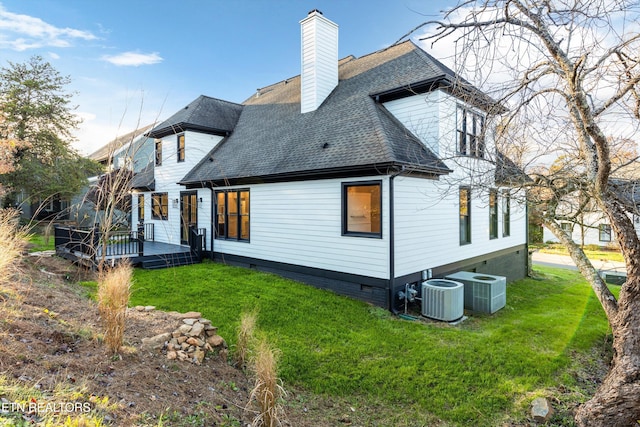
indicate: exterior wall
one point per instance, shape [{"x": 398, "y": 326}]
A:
[
  {"x": 167, "y": 175},
  {"x": 135, "y": 155},
  {"x": 296, "y": 232},
  {"x": 420, "y": 114},
  {"x": 300, "y": 223},
  {"x": 427, "y": 226}
]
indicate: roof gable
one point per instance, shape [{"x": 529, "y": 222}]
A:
[{"x": 204, "y": 114}]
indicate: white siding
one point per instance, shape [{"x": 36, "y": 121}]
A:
[
  {"x": 427, "y": 225},
  {"x": 319, "y": 53},
  {"x": 300, "y": 223},
  {"x": 420, "y": 114},
  {"x": 589, "y": 232},
  {"x": 167, "y": 175}
]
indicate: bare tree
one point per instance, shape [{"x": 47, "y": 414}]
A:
[{"x": 569, "y": 73}]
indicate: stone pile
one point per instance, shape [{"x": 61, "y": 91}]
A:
[{"x": 190, "y": 341}]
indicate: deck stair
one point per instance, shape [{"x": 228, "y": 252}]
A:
[{"x": 169, "y": 260}]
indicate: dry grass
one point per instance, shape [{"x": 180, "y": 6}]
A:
[
  {"x": 246, "y": 331},
  {"x": 267, "y": 391},
  {"x": 12, "y": 242},
  {"x": 114, "y": 290}
]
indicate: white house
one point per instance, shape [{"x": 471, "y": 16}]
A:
[
  {"x": 347, "y": 177},
  {"x": 592, "y": 226}
]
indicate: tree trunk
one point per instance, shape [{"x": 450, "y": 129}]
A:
[{"x": 617, "y": 400}]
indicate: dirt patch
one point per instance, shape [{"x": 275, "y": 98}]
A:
[{"x": 51, "y": 345}]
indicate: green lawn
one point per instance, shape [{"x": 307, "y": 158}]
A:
[
  {"x": 591, "y": 251},
  {"x": 40, "y": 243},
  {"x": 482, "y": 372}
]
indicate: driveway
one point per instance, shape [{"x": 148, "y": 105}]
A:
[{"x": 563, "y": 261}]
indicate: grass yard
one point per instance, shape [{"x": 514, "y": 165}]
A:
[
  {"x": 39, "y": 243},
  {"x": 591, "y": 251},
  {"x": 483, "y": 372}
]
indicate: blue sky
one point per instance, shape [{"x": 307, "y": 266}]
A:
[{"x": 135, "y": 62}]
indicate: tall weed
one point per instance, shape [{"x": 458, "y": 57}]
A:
[
  {"x": 114, "y": 291},
  {"x": 12, "y": 242},
  {"x": 267, "y": 391},
  {"x": 246, "y": 331}
]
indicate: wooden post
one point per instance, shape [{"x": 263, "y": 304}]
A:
[{"x": 140, "y": 238}]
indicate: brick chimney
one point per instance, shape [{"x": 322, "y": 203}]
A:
[{"x": 319, "y": 74}]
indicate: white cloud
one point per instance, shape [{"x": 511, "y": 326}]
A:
[
  {"x": 54, "y": 55},
  {"x": 133, "y": 59},
  {"x": 22, "y": 32}
]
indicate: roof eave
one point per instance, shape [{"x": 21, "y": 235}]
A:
[
  {"x": 182, "y": 127},
  {"x": 448, "y": 83},
  {"x": 370, "y": 169}
]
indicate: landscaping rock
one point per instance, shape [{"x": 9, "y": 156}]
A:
[
  {"x": 156, "y": 342},
  {"x": 541, "y": 410},
  {"x": 191, "y": 315},
  {"x": 216, "y": 341},
  {"x": 190, "y": 341},
  {"x": 196, "y": 329}
]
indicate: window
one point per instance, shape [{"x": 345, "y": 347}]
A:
[
  {"x": 470, "y": 130},
  {"x": 362, "y": 209},
  {"x": 158, "y": 146},
  {"x": 465, "y": 215},
  {"x": 506, "y": 213},
  {"x": 567, "y": 227},
  {"x": 160, "y": 206},
  {"x": 232, "y": 214},
  {"x": 493, "y": 214},
  {"x": 605, "y": 233},
  {"x": 181, "y": 148},
  {"x": 140, "y": 207}
]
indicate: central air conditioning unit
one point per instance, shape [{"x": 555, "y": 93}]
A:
[
  {"x": 483, "y": 293},
  {"x": 442, "y": 299}
]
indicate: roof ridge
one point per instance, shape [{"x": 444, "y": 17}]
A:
[{"x": 219, "y": 99}]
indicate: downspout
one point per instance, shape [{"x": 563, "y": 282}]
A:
[
  {"x": 392, "y": 270},
  {"x": 526, "y": 239},
  {"x": 212, "y": 219}
]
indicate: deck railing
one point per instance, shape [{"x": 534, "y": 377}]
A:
[
  {"x": 76, "y": 239},
  {"x": 149, "y": 232},
  {"x": 91, "y": 243},
  {"x": 197, "y": 241}
]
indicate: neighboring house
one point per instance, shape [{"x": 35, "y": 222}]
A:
[
  {"x": 51, "y": 208},
  {"x": 346, "y": 177},
  {"x": 131, "y": 151},
  {"x": 592, "y": 227}
]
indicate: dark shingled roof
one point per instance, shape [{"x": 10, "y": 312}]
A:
[
  {"x": 144, "y": 180},
  {"x": 204, "y": 114},
  {"x": 103, "y": 153},
  {"x": 349, "y": 131}
]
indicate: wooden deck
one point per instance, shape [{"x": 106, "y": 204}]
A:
[{"x": 86, "y": 247}]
